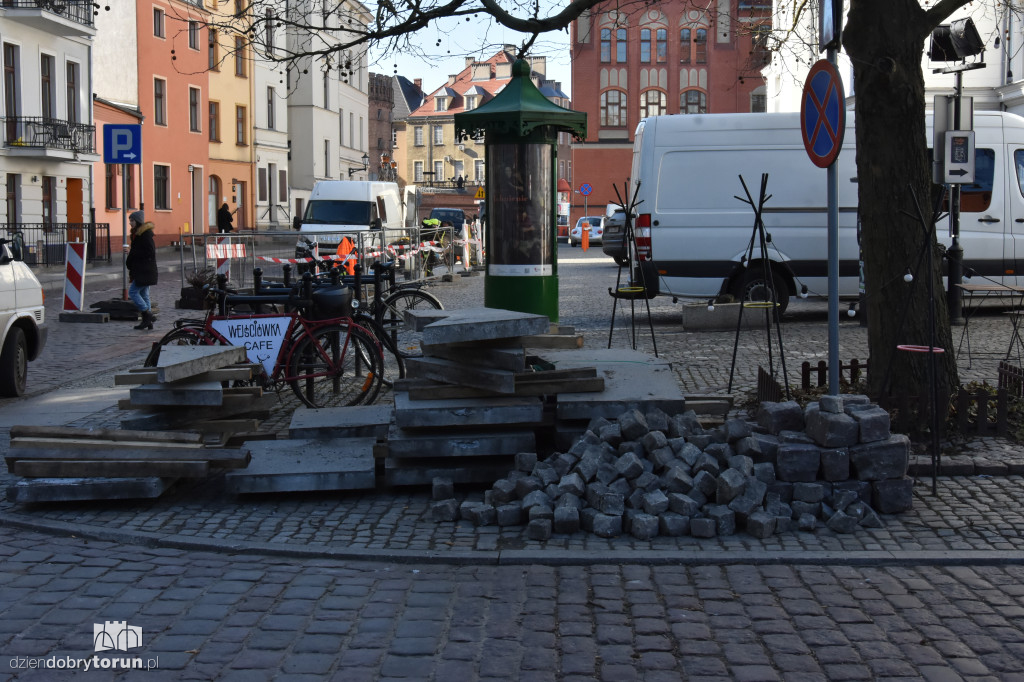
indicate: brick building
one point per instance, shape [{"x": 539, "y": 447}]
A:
[
  {"x": 669, "y": 58},
  {"x": 381, "y": 107}
]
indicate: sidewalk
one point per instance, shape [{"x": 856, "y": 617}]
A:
[{"x": 52, "y": 278}]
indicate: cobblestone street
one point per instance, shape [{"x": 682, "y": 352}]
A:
[{"x": 365, "y": 586}]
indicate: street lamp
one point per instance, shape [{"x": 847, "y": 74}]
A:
[{"x": 366, "y": 164}]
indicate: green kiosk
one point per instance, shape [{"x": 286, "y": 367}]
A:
[{"x": 520, "y": 128}]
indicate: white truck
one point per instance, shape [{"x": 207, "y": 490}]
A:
[
  {"x": 692, "y": 232},
  {"x": 22, "y": 316},
  {"x": 352, "y": 206}
]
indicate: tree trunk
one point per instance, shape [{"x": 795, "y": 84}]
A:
[{"x": 885, "y": 40}]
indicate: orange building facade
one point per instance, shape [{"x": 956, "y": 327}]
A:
[{"x": 668, "y": 58}]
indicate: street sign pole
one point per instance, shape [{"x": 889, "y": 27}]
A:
[
  {"x": 124, "y": 231},
  {"x": 833, "y": 267}
]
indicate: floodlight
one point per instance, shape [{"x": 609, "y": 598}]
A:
[{"x": 955, "y": 41}]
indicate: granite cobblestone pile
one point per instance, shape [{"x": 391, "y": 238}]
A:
[{"x": 834, "y": 463}]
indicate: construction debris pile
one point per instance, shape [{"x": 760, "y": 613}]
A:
[{"x": 648, "y": 474}]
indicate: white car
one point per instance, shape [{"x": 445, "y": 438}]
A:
[
  {"x": 22, "y": 332},
  {"x": 596, "y": 230}
]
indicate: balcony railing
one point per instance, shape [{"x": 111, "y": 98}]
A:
[
  {"x": 48, "y": 133},
  {"x": 79, "y": 11},
  {"x": 45, "y": 242}
]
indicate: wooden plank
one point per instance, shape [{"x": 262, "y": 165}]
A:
[
  {"x": 182, "y": 362},
  {"x": 103, "y": 434},
  {"x": 96, "y": 444},
  {"x": 562, "y": 341},
  {"x": 100, "y": 468},
  {"x": 227, "y": 425},
  {"x": 584, "y": 385},
  {"x": 448, "y": 371},
  {"x": 134, "y": 378},
  {"x": 226, "y": 459}
]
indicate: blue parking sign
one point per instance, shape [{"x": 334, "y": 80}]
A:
[{"x": 122, "y": 143}]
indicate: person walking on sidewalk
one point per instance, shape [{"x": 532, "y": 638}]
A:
[
  {"x": 225, "y": 219},
  {"x": 141, "y": 262}
]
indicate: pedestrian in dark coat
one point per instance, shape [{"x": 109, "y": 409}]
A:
[
  {"x": 225, "y": 221},
  {"x": 141, "y": 263}
]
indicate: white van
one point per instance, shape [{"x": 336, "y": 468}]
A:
[
  {"x": 22, "y": 328},
  {"x": 694, "y": 232},
  {"x": 351, "y": 206}
]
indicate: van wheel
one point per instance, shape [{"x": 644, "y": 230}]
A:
[
  {"x": 754, "y": 286},
  {"x": 14, "y": 364}
]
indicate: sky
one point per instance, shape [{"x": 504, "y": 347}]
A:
[{"x": 458, "y": 40}]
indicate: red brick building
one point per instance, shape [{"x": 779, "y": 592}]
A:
[{"x": 665, "y": 58}]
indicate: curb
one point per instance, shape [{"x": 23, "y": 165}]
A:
[{"x": 526, "y": 557}]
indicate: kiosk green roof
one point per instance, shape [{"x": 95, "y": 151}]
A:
[{"x": 518, "y": 110}]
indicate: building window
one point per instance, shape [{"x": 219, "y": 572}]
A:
[
  {"x": 46, "y": 86},
  {"x": 653, "y": 103},
  {"x": 111, "y": 181},
  {"x": 240, "y": 56},
  {"x": 439, "y": 170},
  {"x": 158, "y": 22},
  {"x": 700, "y": 46},
  {"x": 440, "y": 104},
  {"x": 662, "y": 44},
  {"x": 129, "y": 174},
  {"x": 193, "y": 35},
  {"x": 645, "y": 45},
  {"x": 240, "y": 125},
  {"x": 620, "y": 45},
  {"x": 684, "y": 46},
  {"x": 72, "y": 92},
  {"x": 759, "y": 52},
  {"x": 261, "y": 184},
  {"x": 49, "y": 198},
  {"x": 162, "y": 187},
  {"x": 327, "y": 158},
  {"x": 394, "y": 138},
  {"x": 214, "y": 52},
  {"x": 417, "y": 136},
  {"x": 268, "y": 17},
  {"x": 13, "y": 180},
  {"x": 327, "y": 89},
  {"x": 11, "y": 99},
  {"x": 613, "y": 109},
  {"x": 271, "y": 119},
  {"x": 693, "y": 102},
  {"x": 438, "y": 135},
  {"x": 758, "y": 101},
  {"x": 214, "y": 121},
  {"x": 159, "y": 102},
  {"x": 471, "y": 102},
  {"x": 478, "y": 170},
  {"x": 606, "y": 45},
  {"x": 195, "y": 101},
  {"x": 417, "y": 169}
]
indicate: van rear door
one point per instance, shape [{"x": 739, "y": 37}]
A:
[
  {"x": 1015, "y": 212},
  {"x": 983, "y": 229}
]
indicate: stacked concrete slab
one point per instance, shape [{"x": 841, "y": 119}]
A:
[{"x": 647, "y": 473}]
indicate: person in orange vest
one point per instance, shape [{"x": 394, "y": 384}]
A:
[{"x": 347, "y": 248}]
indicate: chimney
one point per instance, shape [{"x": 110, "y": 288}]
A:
[
  {"x": 418, "y": 82},
  {"x": 452, "y": 77},
  {"x": 470, "y": 60}
]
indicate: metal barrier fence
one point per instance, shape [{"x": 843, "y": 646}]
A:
[
  {"x": 422, "y": 253},
  {"x": 45, "y": 243}
]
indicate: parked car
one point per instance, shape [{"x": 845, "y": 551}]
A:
[
  {"x": 596, "y": 230},
  {"x": 22, "y": 328},
  {"x": 613, "y": 242}
]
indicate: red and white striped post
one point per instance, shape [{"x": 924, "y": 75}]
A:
[{"x": 74, "y": 277}]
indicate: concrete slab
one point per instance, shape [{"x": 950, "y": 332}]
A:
[
  {"x": 697, "y": 317},
  {"x": 182, "y": 362},
  {"x": 416, "y": 444},
  {"x": 397, "y": 472},
  {"x": 83, "y": 317},
  {"x": 466, "y": 412},
  {"x": 477, "y": 324},
  {"x": 191, "y": 393},
  {"x": 512, "y": 358},
  {"x": 632, "y": 380},
  {"x": 77, "y": 489},
  {"x": 305, "y": 464},
  {"x": 358, "y": 421}
]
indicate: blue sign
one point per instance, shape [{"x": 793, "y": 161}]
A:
[
  {"x": 823, "y": 114},
  {"x": 586, "y": 189},
  {"x": 122, "y": 143}
]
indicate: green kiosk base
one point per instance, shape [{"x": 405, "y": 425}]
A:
[{"x": 537, "y": 295}]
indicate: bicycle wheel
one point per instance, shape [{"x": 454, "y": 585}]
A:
[
  {"x": 336, "y": 365},
  {"x": 394, "y": 362},
  {"x": 391, "y": 318}
]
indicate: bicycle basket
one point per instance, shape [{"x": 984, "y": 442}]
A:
[{"x": 332, "y": 301}]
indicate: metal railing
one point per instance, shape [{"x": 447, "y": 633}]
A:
[
  {"x": 46, "y": 243},
  {"x": 236, "y": 254},
  {"x": 79, "y": 11},
  {"x": 48, "y": 133}
]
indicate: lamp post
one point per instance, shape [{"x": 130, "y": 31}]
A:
[
  {"x": 521, "y": 133},
  {"x": 366, "y": 164}
]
